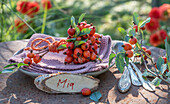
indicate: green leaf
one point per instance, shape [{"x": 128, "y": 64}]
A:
[
  {"x": 81, "y": 17},
  {"x": 144, "y": 77},
  {"x": 122, "y": 31},
  {"x": 77, "y": 43},
  {"x": 21, "y": 64},
  {"x": 141, "y": 34},
  {"x": 112, "y": 55},
  {"x": 127, "y": 38},
  {"x": 72, "y": 21},
  {"x": 63, "y": 46},
  {"x": 159, "y": 63},
  {"x": 144, "y": 22},
  {"x": 137, "y": 62},
  {"x": 120, "y": 62},
  {"x": 146, "y": 73},
  {"x": 95, "y": 96},
  {"x": 72, "y": 39},
  {"x": 138, "y": 46},
  {"x": 132, "y": 32},
  {"x": 99, "y": 58},
  {"x": 10, "y": 65},
  {"x": 135, "y": 18},
  {"x": 8, "y": 70},
  {"x": 168, "y": 63},
  {"x": 137, "y": 54},
  {"x": 168, "y": 74},
  {"x": 163, "y": 68},
  {"x": 168, "y": 79},
  {"x": 77, "y": 29},
  {"x": 127, "y": 60},
  {"x": 85, "y": 31},
  {"x": 156, "y": 81},
  {"x": 167, "y": 47}
]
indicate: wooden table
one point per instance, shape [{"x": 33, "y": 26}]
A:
[{"x": 18, "y": 88}]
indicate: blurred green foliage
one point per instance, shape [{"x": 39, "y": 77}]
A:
[{"x": 106, "y": 15}]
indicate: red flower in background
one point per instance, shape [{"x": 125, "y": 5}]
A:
[
  {"x": 22, "y": 6},
  {"x": 33, "y": 8},
  {"x": 165, "y": 11},
  {"x": 154, "y": 13},
  {"x": 20, "y": 26},
  {"x": 46, "y": 2},
  {"x": 29, "y": 8},
  {"x": 155, "y": 40},
  {"x": 152, "y": 25},
  {"x": 163, "y": 34}
]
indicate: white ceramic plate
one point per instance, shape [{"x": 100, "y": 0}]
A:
[{"x": 33, "y": 74}]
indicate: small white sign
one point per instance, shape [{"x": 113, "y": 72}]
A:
[{"x": 65, "y": 83}]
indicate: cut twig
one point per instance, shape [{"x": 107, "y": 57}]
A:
[{"x": 157, "y": 75}]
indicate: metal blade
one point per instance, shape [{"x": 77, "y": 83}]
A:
[
  {"x": 145, "y": 83},
  {"x": 134, "y": 78},
  {"x": 124, "y": 83}
]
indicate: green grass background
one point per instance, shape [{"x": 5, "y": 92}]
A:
[{"x": 106, "y": 15}]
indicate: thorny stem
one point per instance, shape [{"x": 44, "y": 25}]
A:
[
  {"x": 157, "y": 75},
  {"x": 149, "y": 58},
  {"x": 146, "y": 54},
  {"x": 141, "y": 36}
]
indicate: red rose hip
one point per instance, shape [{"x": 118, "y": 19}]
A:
[
  {"x": 30, "y": 55},
  {"x": 78, "y": 51},
  {"x": 93, "y": 39},
  {"x": 165, "y": 60},
  {"x": 70, "y": 45},
  {"x": 136, "y": 28},
  {"x": 93, "y": 56},
  {"x": 28, "y": 61},
  {"x": 144, "y": 48},
  {"x": 86, "y": 54},
  {"x": 93, "y": 30},
  {"x": 86, "y": 91},
  {"x": 68, "y": 59},
  {"x": 129, "y": 53},
  {"x": 148, "y": 51},
  {"x": 71, "y": 31},
  {"x": 133, "y": 40},
  {"x": 85, "y": 46},
  {"x": 127, "y": 46},
  {"x": 37, "y": 58},
  {"x": 68, "y": 52}
]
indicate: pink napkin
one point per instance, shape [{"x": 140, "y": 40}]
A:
[{"x": 54, "y": 62}]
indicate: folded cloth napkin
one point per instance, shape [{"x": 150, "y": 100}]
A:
[{"x": 54, "y": 62}]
